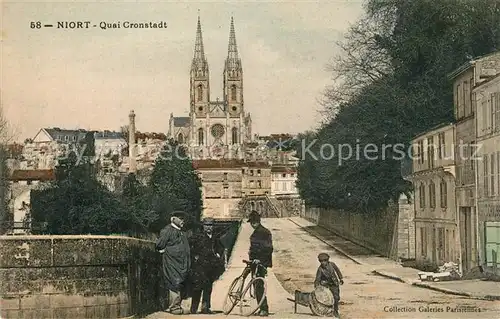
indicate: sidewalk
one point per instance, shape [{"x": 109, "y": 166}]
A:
[{"x": 477, "y": 289}]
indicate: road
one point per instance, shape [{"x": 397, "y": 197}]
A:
[{"x": 364, "y": 295}]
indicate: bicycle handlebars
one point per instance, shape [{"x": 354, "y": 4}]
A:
[{"x": 248, "y": 262}]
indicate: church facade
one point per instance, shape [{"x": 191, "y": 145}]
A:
[{"x": 214, "y": 129}]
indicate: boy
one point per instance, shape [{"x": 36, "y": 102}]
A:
[{"x": 329, "y": 275}]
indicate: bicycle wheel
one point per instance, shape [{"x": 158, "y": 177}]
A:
[
  {"x": 233, "y": 295},
  {"x": 248, "y": 302}
]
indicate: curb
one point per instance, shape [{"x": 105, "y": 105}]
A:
[
  {"x": 329, "y": 244},
  {"x": 439, "y": 289},
  {"x": 391, "y": 276}
]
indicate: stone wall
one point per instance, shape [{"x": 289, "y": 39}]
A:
[
  {"x": 292, "y": 205},
  {"x": 221, "y": 207},
  {"x": 374, "y": 231},
  {"x": 78, "y": 277}
]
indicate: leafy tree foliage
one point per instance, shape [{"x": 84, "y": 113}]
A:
[
  {"x": 76, "y": 203},
  {"x": 391, "y": 84},
  {"x": 175, "y": 185},
  {"x": 4, "y": 173}
]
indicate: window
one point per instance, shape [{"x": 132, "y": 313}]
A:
[
  {"x": 498, "y": 172},
  {"x": 441, "y": 244},
  {"x": 495, "y": 112},
  {"x": 258, "y": 172},
  {"x": 423, "y": 241},
  {"x": 201, "y": 136},
  {"x": 442, "y": 147},
  {"x": 430, "y": 151},
  {"x": 225, "y": 177},
  {"x": 484, "y": 111},
  {"x": 460, "y": 105},
  {"x": 234, "y": 135},
  {"x": 251, "y": 172},
  {"x": 233, "y": 93},
  {"x": 259, "y": 184},
  {"x": 421, "y": 193},
  {"x": 485, "y": 176},
  {"x": 492, "y": 174},
  {"x": 180, "y": 138},
  {"x": 443, "y": 192},
  {"x": 466, "y": 99},
  {"x": 472, "y": 95},
  {"x": 283, "y": 175},
  {"x": 492, "y": 234},
  {"x": 200, "y": 92},
  {"x": 432, "y": 195},
  {"x": 420, "y": 152}
]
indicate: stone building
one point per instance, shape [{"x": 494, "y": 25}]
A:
[
  {"x": 214, "y": 128},
  {"x": 221, "y": 186},
  {"x": 433, "y": 178},
  {"x": 488, "y": 170},
  {"x": 464, "y": 80},
  {"x": 256, "y": 178},
  {"x": 284, "y": 179}
]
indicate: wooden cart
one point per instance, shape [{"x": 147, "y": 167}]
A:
[{"x": 320, "y": 301}]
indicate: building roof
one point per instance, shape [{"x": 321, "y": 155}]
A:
[
  {"x": 467, "y": 65},
  {"x": 228, "y": 164},
  {"x": 154, "y": 136},
  {"x": 33, "y": 175},
  {"x": 486, "y": 82},
  {"x": 435, "y": 128},
  {"x": 283, "y": 169},
  {"x": 55, "y": 132},
  {"x": 108, "y": 135},
  {"x": 181, "y": 121}
]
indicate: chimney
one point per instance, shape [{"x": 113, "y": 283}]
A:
[{"x": 132, "y": 145}]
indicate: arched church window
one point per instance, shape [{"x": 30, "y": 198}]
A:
[
  {"x": 233, "y": 92},
  {"x": 234, "y": 135},
  {"x": 200, "y": 136},
  {"x": 180, "y": 138},
  {"x": 200, "y": 92}
]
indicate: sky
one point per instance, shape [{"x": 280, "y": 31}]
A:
[{"x": 92, "y": 78}]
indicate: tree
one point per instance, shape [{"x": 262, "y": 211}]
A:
[
  {"x": 76, "y": 203},
  {"x": 174, "y": 185},
  {"x": 4, "y": 173},
  {"x": 390, "y": 83}
]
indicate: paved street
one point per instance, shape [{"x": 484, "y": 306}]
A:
[{"x": 364, "y": 294}]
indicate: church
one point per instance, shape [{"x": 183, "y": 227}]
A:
[{"x": 214, "y": 129}]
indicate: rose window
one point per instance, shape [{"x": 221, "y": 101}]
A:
[{"x": 217, "y": 130}]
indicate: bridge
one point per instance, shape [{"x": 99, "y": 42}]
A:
[{"x": 118, "y": 277}]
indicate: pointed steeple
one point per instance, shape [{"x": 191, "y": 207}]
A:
[
  {"x": 199, "y": 59},
  {"x": 199, "y": 51},
  {"x": 233, "y": 60}
]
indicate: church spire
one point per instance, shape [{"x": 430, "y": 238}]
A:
[
  {"x": 233, "y": 60},
  {"x": 199, "y": 50}
]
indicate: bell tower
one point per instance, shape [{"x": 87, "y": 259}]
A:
[
  {"x": 233, "y": 77},
  {"x": 199, "y": 76}
]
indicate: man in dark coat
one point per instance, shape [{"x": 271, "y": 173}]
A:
[
  {"x": 174, "y": 247},
  {"x": 261, "y": 252},
  {"x": 208, "y": 264},
  {"x": 329, "y": 276}
]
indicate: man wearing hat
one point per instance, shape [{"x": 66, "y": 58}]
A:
[
  {"x": 261, "y": 251},
  {"x": 208, "y": 264},
  {"x": 174, "y": 247},
  {"x": 329, "y": 276}
]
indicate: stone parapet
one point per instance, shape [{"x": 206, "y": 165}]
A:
[{"x": 78, "y": 277}]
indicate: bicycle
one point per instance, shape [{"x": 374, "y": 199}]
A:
[{"x": 237, "y": 294}]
